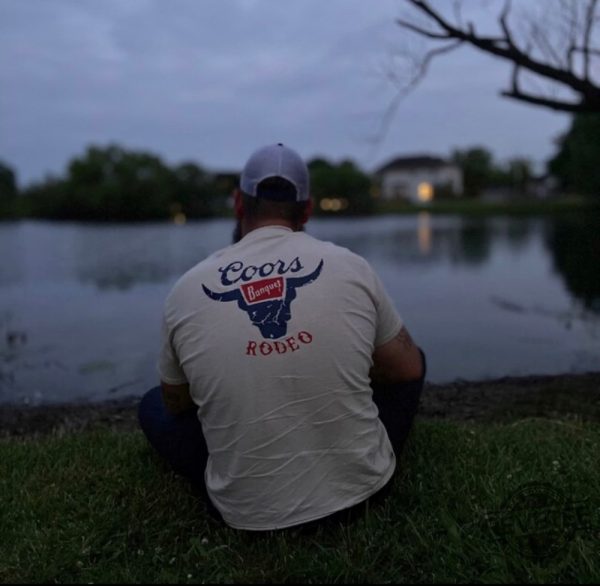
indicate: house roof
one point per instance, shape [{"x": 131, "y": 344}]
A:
[{"x": 413, "y": 162}]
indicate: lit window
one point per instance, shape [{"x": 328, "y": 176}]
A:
[
  {"x": 333, "y": 204},
  {"x": 425, "y": 192},
  {"x": 325, "y": 204}
]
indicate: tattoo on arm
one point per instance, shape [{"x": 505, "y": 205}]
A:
[{"x": 397, "y": 361}]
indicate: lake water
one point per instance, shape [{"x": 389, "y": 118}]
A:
[{"x": 80, "y": 304}]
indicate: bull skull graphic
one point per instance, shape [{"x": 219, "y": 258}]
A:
[{"x": 270, "y": 316}]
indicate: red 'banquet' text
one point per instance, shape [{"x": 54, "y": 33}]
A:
[{"x": 263, "y": 290}]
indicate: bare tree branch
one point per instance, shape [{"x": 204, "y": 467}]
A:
[
  {"x": 587, "y": 35},
  {"x": 458, "y": 11},
  {"x": 589, "y": 50},
  {"x": 572, "y": 34},
  {"x": 559, "y": 105},
  {"x": 422, "y": 68},
  {"x": 422, "y": 31},
  {"x": 538, "y": 56},
  {"x": 541, "y": 40},
  {"x": 504, "y": 25},
  {"x": 432, "y": 54}
]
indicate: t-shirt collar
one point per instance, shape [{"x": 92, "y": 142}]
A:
[{"x": 264, "y": 231}]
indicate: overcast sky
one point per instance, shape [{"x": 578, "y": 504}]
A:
[{"x": 211, "y": 80}]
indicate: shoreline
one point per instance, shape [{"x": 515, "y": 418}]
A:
[
  {"x": 465, "y": 206},
  {"x": 566, "y": 396}
]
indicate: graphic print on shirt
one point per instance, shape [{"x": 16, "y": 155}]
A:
[{"x": 267, "y": 301}]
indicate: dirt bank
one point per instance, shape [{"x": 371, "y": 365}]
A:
[{"x": 505, "y": 399}]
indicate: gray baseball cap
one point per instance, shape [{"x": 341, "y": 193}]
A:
[{"x": 275, "y": 160}]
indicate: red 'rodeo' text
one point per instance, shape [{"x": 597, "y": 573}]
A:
[{"x": 289, "y": 344}]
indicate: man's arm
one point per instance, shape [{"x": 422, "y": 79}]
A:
[
  {"x": 397, "y": 361},
  {"x": 177, "y": 398}
]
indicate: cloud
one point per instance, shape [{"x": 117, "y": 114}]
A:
[{"x": 212, "y": 80}]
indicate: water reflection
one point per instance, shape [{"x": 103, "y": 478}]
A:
[
  {"x": 424, "y": 232},
  {"x": 574, "y": 242},
  {"x": 119, "y": 257},
  {"x": 402, "y": 241},
  {"x": 475, "y": 241},
  {"x": 519, "y": 232},
  {"x": 426, "y": 239},
  {"x": 80, "y": 305},
  {"x": 11, "y": 265}
]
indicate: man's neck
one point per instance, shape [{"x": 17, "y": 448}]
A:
[{"x": 248, "y": 227}]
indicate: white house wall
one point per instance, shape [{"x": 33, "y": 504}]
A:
[{"x": 405, "y": 183}]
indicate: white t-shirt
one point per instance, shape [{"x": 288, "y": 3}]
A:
[{"x": 275, "y": 336}]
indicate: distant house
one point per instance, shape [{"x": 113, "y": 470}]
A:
[
  {"x": 543, "y": 186},
  {"x": 419, "y": 179},
  {"x": 540, "y": 187}
]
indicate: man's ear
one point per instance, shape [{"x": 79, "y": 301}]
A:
[
  {"x": 238, "y": 204},
  {"x": 308, "y": 210}
]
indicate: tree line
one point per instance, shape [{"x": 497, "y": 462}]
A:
[{"x": 114, "y": 184}]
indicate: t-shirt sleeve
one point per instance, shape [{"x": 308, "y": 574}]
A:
[
  {"x": 168, "y": 366},
  {"x": 389, "y": 322}
]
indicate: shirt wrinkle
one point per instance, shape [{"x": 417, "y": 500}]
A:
[{"x": 284, "y": 401}]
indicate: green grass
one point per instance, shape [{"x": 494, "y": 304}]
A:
[{"x": 99, "y": 507}]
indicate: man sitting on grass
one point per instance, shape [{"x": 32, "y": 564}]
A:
[{"x": 288, "y": 381}]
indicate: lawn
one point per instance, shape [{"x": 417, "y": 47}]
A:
[{"x": 99, "y": 507}]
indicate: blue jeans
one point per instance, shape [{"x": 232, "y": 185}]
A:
[{"x": 179, "y": 439}]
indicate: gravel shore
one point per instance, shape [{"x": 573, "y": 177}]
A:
[{"x": 501, "y": 400}]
